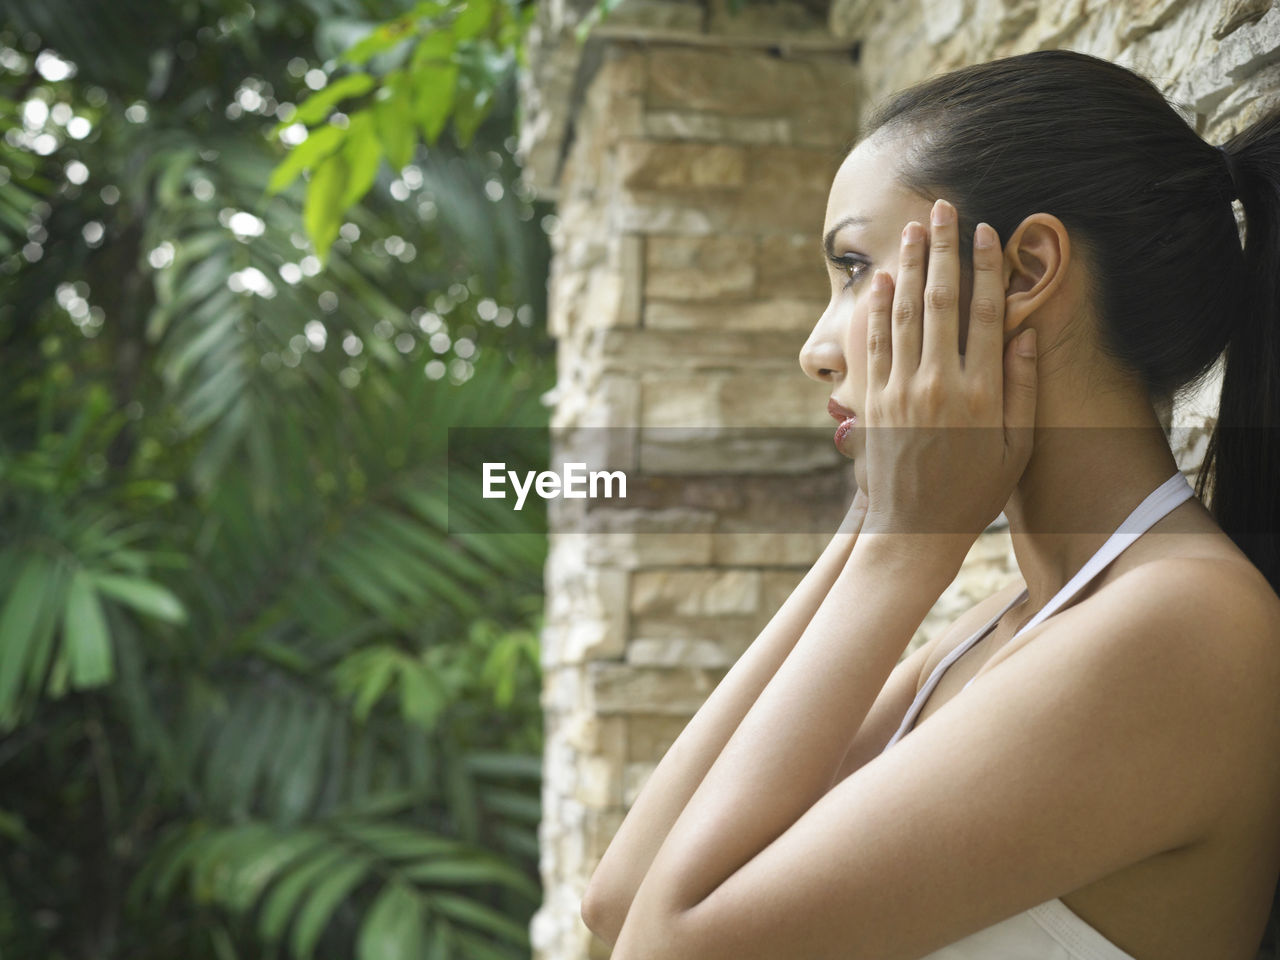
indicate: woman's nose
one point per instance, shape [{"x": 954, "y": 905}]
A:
[{"x": 821, "y": 358}]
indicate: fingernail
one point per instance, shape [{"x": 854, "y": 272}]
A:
[
  {"x": 880, "y": 281},
  {"x": 913, "y": 232},
  {"x": 1026, "y": 345},
  {"x": 984, "y": 237},
  {"x": 943, "y": 212}
]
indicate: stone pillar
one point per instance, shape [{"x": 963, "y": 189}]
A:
[{"x": 686, "y": 278}]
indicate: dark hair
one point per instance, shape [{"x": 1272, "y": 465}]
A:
[{"x": 1148, "y": 199}]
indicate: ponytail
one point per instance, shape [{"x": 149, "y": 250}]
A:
[{"x": 1241, "y": 468}]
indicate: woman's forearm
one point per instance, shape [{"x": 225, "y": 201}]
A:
[
  {"x": 615, "y": 881},
  {"x": 781, "y": 757}
]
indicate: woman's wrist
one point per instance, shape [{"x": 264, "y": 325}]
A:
[
  {"x": 851, "y": 523},
  {"x": 922, "y": 557}
]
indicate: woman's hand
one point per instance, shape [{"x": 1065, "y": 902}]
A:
[{"x": 947, "y": 436}]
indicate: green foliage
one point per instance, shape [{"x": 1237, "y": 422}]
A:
[
  {"x": 261, "y": 702},
  {"x": 458, "y": 54}
]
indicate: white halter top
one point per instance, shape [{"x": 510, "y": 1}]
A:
[{"x": 1050, "y": 930}]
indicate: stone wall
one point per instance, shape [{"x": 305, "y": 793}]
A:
[{"x": 690, "y": 153}]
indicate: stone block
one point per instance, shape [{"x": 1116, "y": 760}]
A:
[
  {"x": 1238, "y": 13},
  {"x": 675, "y": 166},
  {"x": 631, "y": 252},
  {"x": 742, "y": 82},
  {"x": 634, "y": 777},
  {"x": 753, "y": 399},
  {"x": 1005, "y": 20},
  {"x": 562, "y": 686},
  {"x": 618, "y": 688},
  {"x": 602, "y": 827},
  {"x": 763, "y": 549},
  {"x": 1244, "y": 52},
  {"x": 591, "y": 734},
  {"x": 796, "y": 172},
  {"x": 749, "y": 452},
  {"x": 830, "y": 125},
  {"x": 650, "y": 736},
  {"x": 780, "y": 19},
  {"x": 792, "y": 266},
  {"x": 634, "y": 539},
  {"x": 777, "y": 585},
  {"x": 942, "y": 18},
  {"x": 766, "y": 206},
  {"x": 638, "y": 353},
  {"x": 586, "y": 613},
  {"x": 600, "y": 781},
  {"x": 1144, "y": 16},
  {"x": 697, "y": 268},
  {"x": 778, "y": 312},
  {"x": 1254, "y": 98},
  {"x": 714, "y": 128},
  {"x": 657, "y": 14},
  {"x": 679, "y": 650},
  {"x": 684, "y": 592},
  {"x": 601, "y": 303},
  {"x": 1055, "y": 23}
]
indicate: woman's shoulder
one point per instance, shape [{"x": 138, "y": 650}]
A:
[{"x": 1199, "y": 628}]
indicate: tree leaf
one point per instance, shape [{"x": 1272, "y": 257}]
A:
[
  {"x": 254, "y": 872},
  {"x": 145, "y": 596},
  {"x": 20, "y": 636},
  {"x": 394, "y": 118},
  {"x": 434, "y": 92},
  {"x": 392, "y": 929},
  {"x": 318, "y": 106},
  {"x": 289, "y": 889},
  {"x": 478, "y": 915},
  {"x": 85, "y": 636},
  {"x": 455, "y": 872},
  {"x": 375, "y": 682},
  {"x": 320, "y": 143},
  {"x": 322, "y": 211},
  {"x": 379, "y": 40},
  {"x": 471, "y": 105},
  {"x": 318, "y": 910},
  {"x": 363, "y": 152},
  {"x": 422, "y": 696},
  {"x": 473, "y": 20}
]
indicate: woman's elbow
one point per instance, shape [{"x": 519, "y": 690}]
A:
[{"x": 600, "y": 918}]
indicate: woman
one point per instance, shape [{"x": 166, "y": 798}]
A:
[{"x": 1108, "y": 788}]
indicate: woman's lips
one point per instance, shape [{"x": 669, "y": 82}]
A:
[
  {"x": 842, "y": 431},
  {"x": 839, "y": 411},
  {"x": 846, "y": 417}
]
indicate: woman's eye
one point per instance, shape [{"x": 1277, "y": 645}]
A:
[{"x": 852, "y": 267}]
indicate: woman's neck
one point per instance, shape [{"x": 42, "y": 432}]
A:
[{"x": 1096, "y": 457}]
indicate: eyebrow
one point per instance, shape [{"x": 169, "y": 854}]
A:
[{"x": 829, "y": 241}]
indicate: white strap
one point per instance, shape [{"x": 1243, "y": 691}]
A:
[{"x": 1156, "y": 505}]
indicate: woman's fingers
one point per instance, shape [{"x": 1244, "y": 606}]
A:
[
  {"x": 941, "y": 291},
  {"x": 879, "y": 331},
  {"x": 907, "y": 302},
  {"x": 984, "y": 344}
]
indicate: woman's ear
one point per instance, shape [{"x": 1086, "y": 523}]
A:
[{"x": 1035, "y": 265}]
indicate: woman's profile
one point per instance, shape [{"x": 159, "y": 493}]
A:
[{"x": 1103, "y": 779}]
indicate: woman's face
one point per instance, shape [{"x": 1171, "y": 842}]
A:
[{"x": 866, "y": 213}]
